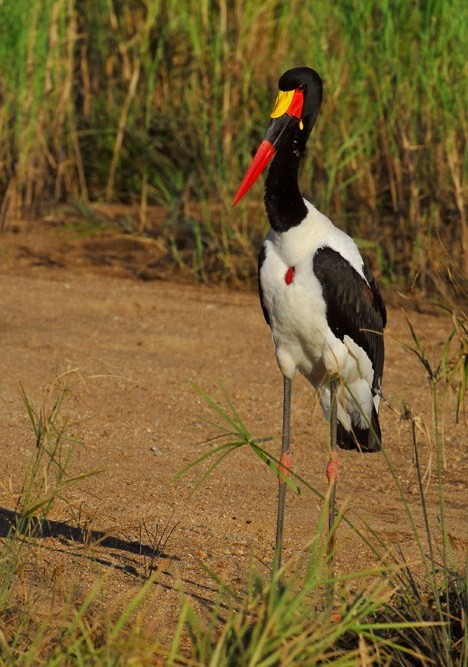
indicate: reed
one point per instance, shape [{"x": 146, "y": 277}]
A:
[{"x": 161, "y": 102}]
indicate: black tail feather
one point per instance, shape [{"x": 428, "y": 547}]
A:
[{"x": 363, "y": 439}]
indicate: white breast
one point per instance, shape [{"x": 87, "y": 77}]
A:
[{"x": 314, "y": 232}]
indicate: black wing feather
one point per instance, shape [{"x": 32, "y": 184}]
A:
[
  {"x": 261, "y": 259},
  {"x": 354, "y": 308}
]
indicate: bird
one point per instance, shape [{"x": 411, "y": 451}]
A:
[{"x": 317, "y": 293}]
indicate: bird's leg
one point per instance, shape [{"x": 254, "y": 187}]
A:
[
  {"x": 332, "y": 467},
  {"x": 284, "y": 467},
  {"x": 332, "y": 475}
]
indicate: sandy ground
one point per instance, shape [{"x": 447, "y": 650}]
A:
[{"x": 129, "y": 352}]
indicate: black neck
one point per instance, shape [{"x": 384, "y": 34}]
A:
[{"x": 284, "y": 203}]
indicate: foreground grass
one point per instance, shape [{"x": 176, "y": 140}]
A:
[
  {"x": 161, "y": 103},
  {"x": 392, "y": 614}
]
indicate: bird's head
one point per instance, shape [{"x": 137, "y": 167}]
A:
[{"x": 293, "y": 116}]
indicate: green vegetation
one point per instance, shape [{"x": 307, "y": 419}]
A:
[{"x": 161, "y": 102}]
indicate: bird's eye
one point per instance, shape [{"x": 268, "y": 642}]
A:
[{"x": 301, "y": 86}]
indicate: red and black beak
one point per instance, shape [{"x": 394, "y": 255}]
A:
[{"x": 287, "y": 110}]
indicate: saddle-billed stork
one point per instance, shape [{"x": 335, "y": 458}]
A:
[{"x": 318, "y": 296}]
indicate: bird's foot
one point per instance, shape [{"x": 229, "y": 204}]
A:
[
  {"x": 332, "y": 468},
  {"x": 284, "y": 467},
  {"x": 335, "y": 614}
]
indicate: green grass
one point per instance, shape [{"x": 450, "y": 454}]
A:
[{"x": 161, "y": 103}]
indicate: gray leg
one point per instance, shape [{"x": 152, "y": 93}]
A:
[
  {"x": 332, "y": 468},
  {"x": 332, "y": 474},
  {"x": 285, "y": 464}
]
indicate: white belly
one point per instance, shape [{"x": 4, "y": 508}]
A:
[{"x": 297, "y": 317}]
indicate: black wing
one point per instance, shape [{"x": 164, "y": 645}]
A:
[
  {"x": 354, "y": 308},
  {"x": 261, "y": 259}
]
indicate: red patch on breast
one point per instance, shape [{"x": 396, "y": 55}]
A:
[{"x": 289, "y": 275}]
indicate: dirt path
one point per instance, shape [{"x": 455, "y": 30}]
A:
[{"x": 129, "y": 351}]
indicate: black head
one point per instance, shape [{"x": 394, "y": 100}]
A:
[
  {"x": 292, "y": 119},
  {"x": 309, "y": 82}
]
